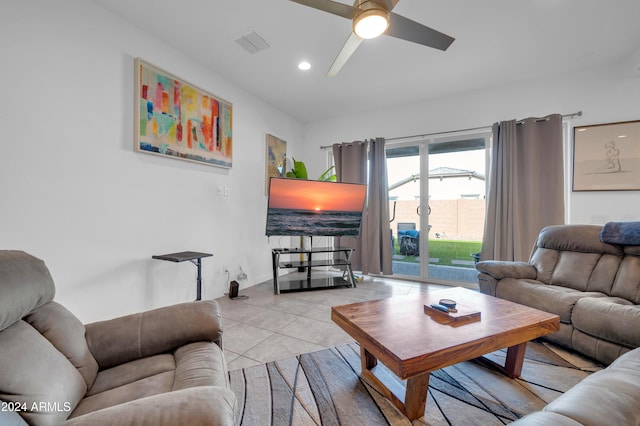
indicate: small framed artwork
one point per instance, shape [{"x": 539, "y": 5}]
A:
[
  {"x": 276, "y": 159},
  {"x": 176, "y": 119},
  {"x": 606, "y": 157}
]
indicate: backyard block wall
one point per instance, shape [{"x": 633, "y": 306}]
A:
[{"x": 459, "y": 219}]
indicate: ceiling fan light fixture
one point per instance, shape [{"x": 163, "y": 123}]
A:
[{"x": 371, "y": 23}]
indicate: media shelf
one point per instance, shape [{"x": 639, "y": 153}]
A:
[{"x": 343, "y": 258}]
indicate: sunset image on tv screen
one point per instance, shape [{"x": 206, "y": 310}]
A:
[{"x": 305, "y": 207}]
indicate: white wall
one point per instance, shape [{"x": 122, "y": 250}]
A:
[
  {"x": 75, "y": 194},
  {"x": 608, "y": 94}
]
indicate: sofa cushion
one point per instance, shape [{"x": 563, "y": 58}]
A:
[
  {"x": 574, "y": 269},
  {"x": 550, "y": 298},
  {"x": 578, "y": 238},
  {"x": 607, "y": 397},
  {"x": 604, "y": 351},
  {"x": 25, "y": 284},
  {"x": 580, "y": 271},
  {"x": 627, "y": 282},
  {"x": 35, "y": 372},
  {"x": 148, "y": 386},
  {"x": 632, "y": 250},
  {"x": 66, "y": 333},
  {"x": 133, "y": 371},
  {"x": 201, "y": 406},
  {"x": 608, "y": 318},
  {"x": 573, "y": 256},
  {"x": 193, "y": 365}
]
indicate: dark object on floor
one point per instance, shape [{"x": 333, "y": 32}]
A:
[{"x": 233, "y": 289}]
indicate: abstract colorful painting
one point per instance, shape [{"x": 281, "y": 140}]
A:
[{"x": 179, "y": 120}]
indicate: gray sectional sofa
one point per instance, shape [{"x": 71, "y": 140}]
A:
[
  {"x": 594, "y": 286},
  {"x": 590, "y": 276},
  {"x": 160, "y": 367},
  {"x": 609, "y": 397}
]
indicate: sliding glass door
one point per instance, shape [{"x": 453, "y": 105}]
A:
[
  {"x": 405, "y": 207},
  {"x": 436, "y": 202}
]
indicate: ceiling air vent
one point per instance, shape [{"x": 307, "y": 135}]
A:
[{"x": 252, "y": 42}]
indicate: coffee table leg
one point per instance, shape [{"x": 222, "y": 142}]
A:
[
  {"x": 415, "y": 400},
  {"x": 368, "y": 361},
  {"x": 515, "y": 360},
  {"x": 411, "y": 400}
]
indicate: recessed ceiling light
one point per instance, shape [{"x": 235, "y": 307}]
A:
[{"x": 304, "y": 66}]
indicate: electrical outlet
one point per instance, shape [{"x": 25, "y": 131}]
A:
[{"x": 242, "y": 275}]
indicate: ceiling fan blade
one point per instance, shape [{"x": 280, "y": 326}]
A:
[
  {"x": 340, "y": 9},
  {"x": 406, "y": 29},
  {"x": 347, "y": 50},
  {"x": 389, "y": 4}
]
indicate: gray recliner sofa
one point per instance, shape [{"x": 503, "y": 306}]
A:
[
  {"x": 594, "y": 286},
  {"x": 160, "y": 367},
  {"x": 607, "y": 397}
]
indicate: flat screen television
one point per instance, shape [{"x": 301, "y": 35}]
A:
[{"x": 299, "y": 207}]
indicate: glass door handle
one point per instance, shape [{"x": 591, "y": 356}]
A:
[{"x": 428, "y": 210}]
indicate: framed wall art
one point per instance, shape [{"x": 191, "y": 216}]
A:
[
  {"x": 276, "y": 159},
  {"x": 606, "y": 157},
  {"x": 176, "y": 119}
]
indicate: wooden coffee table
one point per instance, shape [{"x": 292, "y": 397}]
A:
[{"x": 411, "y": 344}]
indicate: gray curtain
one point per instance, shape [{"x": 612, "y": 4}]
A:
[
  {"x": 365, "y": 162},
  {"x": 525, "y": 187}
]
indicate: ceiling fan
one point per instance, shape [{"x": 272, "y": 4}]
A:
[{"x": 372, "y": 18}]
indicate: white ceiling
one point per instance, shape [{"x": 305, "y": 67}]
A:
[{"x": 497, "y": 41}]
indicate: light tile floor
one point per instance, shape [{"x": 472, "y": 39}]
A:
[{"x": 267, "y": 327}]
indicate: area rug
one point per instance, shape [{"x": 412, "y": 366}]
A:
[{"x": 324, "y": 388}]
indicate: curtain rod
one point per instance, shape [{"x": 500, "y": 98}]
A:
[{"x": 574, "y": 114}]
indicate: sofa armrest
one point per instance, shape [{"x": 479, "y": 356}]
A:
[
  {"x": 492, "y": 271},
  {"x": 139, "y": 335},
  {"x": 500, "y": 269},
  {"x": 198, "y": 406}
]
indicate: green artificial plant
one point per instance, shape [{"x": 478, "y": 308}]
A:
[{"x": 299, "y": 171}]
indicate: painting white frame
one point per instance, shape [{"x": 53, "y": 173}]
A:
[{"x": 606, "y": 157}]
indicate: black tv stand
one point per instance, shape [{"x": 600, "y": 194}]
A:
[{"x": 309, "y": 282}]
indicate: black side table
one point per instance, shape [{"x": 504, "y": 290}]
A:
[{"x": 191, "y": 256}]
